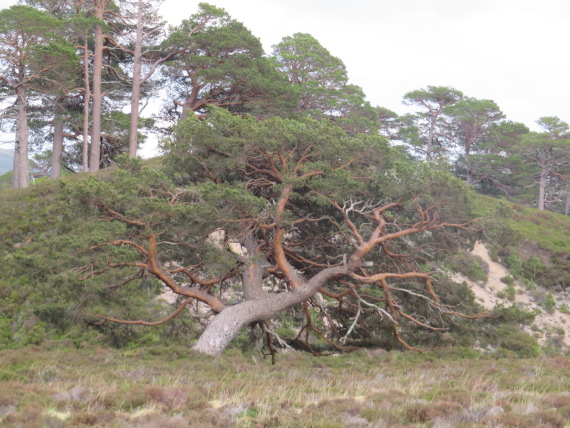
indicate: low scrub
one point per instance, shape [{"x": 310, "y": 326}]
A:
[
  {"x": 473, "y": 267},
  {"x": 174, "y": 387}
]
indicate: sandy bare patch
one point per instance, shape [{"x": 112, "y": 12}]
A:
[{"x": 486, "y": 295}]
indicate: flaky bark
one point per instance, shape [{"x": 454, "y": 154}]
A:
[
  {"x": 136, "y": 88},
  {"x": 23, "y": 138},
  {"x": 95, "y": 153},
  {"x": 57, "y": 148}
]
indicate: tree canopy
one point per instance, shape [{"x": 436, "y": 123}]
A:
[
  {"x": 219, "y": 62},
  {"x": 321, "y": 81},
  {"x": 268, "y": 215},
  {"x": 110, "y": 53},
  {"x": 434, "y": 100}
]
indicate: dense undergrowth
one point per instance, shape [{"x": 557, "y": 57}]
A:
[
  {"x": 174, "y": 388},
  {"x": 47, "y": 294}
]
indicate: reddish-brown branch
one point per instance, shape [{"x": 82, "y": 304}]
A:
[
  {"x": 403, "y": 342},
  {"x": 156, "y": 270},
  {"x": 421, "y": 324},
  {"x": 194, "y": 278},
  {"x": 148, "y": 323},
  {"x": 304, "y": 157},
  {"x": 121, "y": 217},
  {"x": 430, "y": 290},
  {"x": 383, "y": 276},
  {"x": 279, "y": 253},
  {"x": 118, "y": 242}
]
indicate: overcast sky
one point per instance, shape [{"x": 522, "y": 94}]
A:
[{"x": 515, "y": 52}]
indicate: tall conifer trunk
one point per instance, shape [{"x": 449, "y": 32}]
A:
[
  {"x": 136, "y": 91},
  {"x": 541, "y": 189},
  {"x": 16, "y": 159},
  {"x": 57, "y": 148},
  {"x": 86, "y": 101},
  {"x": 23, "y": 138},
  {"x": 95, "y": 153}
]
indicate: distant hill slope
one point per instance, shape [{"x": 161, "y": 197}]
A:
[
  {"x": 6, "y": 161},
  {"x": 547, "y": 230}
]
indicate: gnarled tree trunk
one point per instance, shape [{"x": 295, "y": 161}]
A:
[{"x": 226, "y": 325}]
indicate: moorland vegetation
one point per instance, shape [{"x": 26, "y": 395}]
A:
[{"x": 286, "y": 214}]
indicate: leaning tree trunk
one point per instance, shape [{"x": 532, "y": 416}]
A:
[{"x": 227, "y": 324}]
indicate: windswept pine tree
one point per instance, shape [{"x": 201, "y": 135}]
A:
[{"x": 313, "y": 217}]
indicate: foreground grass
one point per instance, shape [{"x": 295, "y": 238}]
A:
[{"x": 171, "y": 388}]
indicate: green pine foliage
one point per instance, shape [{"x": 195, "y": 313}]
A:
[
  {"x": 71, "y": 250},
  {"x": 59, "y": 273},
  {"x": 48, "y": 285}
]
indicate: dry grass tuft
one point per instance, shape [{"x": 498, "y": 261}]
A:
[
  {"x": 150, "y": 388},
  {"x": 171, "y": 398}
]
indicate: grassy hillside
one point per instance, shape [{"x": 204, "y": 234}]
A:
[
  {"x": 534, "y": 244},
  {"x": 550, "y": 231}
]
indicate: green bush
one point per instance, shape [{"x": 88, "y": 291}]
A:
[
  {"x": 550, "y": 303},
  {"x": 476, "y": 272},
  {"x": 514, "y": 314},
  {"x": 511, "y": 293},
  {"x": 523, "y": 344},
  {"x": 514, "y": 264},
  {"x": 471, "y": 266},
  {"x": 532, "y": 268}
]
